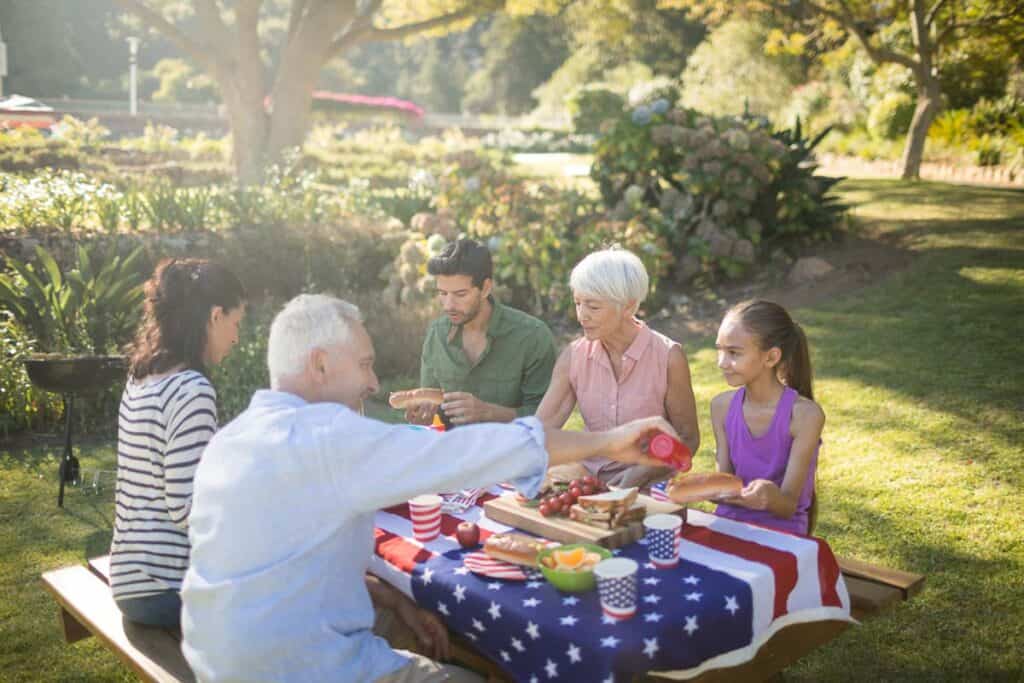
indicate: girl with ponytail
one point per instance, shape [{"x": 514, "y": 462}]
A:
[{"x": 768, "y": 431}]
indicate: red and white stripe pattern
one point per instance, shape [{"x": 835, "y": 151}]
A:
[
  {"x": 485, "y": 565},
  {"x": 799, "y": 579}
]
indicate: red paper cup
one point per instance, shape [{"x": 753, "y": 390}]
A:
[{"x": 425, "y": 513}]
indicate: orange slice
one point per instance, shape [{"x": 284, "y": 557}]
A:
[{"x": 570, "y": 559}]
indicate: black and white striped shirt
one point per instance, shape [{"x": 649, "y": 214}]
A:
[{"x": 162, "y": 428}]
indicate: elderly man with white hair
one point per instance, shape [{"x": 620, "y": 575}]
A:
[
  {"x": 620, "y": 369},
  {"x": 283, "y": 511}
]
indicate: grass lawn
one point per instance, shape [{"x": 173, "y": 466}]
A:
[{"x": 922, "y": 380}]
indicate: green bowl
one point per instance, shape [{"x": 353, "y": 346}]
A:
[{"x": 567, "y": 581}]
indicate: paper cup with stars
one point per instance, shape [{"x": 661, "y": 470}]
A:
[
  {"x": 616, "y": 585},
  {"x": 663, "y": 533}
]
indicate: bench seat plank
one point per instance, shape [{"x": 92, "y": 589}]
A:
[
  {"x": 152, "y": 653},
  {"x": 909, "y": 584}
]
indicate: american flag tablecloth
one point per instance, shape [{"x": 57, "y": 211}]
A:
[{"x": 735, "y": 586}]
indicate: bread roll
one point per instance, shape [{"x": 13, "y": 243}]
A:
[
  {"x": 514, "y": 548},
  {"x": 704, "y": 486},
  {"x": 407, "y": 399}
]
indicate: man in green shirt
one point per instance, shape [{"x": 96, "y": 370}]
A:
[{"x": 493, "y": 362}]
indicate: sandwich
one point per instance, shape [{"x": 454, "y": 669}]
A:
[
  {"x": 609, "y": 510},
  {"x": 704, "y": 486},
  {"x": 414, "y": 397},
  {"x": 514, "y": 548}
]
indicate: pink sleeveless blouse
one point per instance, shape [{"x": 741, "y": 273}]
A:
[{"x": 606, "y": 402}]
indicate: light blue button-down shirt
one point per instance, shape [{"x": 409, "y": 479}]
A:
[{"x": 282, "y": 531}]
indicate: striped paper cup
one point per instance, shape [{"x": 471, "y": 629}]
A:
[{"x": 425, "y": 512}]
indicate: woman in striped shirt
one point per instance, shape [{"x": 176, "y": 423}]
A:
[{"x": 168, "y": 413}]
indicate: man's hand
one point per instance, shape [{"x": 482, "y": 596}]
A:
[
  {"x": 430, "y": 632},
  {"x": 627, "y": 443},
  {"x": 463, "y": 408},
  {"x": 420, "y": 413}
]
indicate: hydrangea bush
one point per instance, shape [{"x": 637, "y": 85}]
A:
[{"x": 719, "y": 190}]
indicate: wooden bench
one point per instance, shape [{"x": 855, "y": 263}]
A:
[{"x": 87, "y": 609}]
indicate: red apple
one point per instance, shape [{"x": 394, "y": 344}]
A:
[{"x": 468, "y": 534}]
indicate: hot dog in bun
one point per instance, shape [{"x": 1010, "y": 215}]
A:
[
  {"x": 704, "y": 486},
  {"x": 412, "y": 397}
]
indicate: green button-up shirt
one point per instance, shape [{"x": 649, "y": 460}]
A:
[{"x": 513, "y": 371}]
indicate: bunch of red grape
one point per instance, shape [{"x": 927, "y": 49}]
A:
[{"x": 564, "y": 496}]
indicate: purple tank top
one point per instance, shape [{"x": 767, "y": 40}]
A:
[{"x": 765, "y": 457}]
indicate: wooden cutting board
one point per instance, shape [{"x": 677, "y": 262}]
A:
[{"x": 506, "y": 510}]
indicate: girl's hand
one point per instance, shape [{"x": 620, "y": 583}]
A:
[{"x": 757, "y": 495}]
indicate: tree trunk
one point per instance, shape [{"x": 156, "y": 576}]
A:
[{"x": 928, "y": 104}]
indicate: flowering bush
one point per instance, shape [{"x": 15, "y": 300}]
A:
[{"x": 717, "y": 189}]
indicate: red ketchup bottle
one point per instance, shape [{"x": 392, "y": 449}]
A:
[{"x": 671, "y": 451}]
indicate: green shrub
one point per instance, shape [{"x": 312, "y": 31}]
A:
[
  {"x": 22, "y": 405},
  {"x": 716, "y": 189},
  {"x": 997, "y": 117},
  {"x": 890, "y": 118},
  {"x": 952, "y": 127},
  {"x": 591, "y": 105}
]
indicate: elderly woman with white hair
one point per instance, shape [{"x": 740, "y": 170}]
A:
[{"x": 620, "y": 369}]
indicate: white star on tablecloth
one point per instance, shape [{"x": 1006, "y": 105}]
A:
[
  {"x": 610, "y": 679},
  {"x": 427, "y": 575},
  {"x": 574, "y": 654},
  {"x": 650, "y": 647},
  {"x": 505, "y": 656},
  {"x": 569, "y": 620},
  {"x": 532, "y": 631},
  {"x": 652, "y": 581},
  {"x": 694, "y": 597},
  {"x": 479, "y": 626},
  {"x": 653, "y": 616},
  {"x": 692, "y": 580},
  {"x": 534, "y": 679},
  {"x": 610, "y": 641},
  {"x": 691, "y": 625},
  {"x": 617, "y": 551},
  {"x": 494, "y": 610},
  {"x": 608, "y": 621},
  {"x": 534, "y": 584},
  {"x": 571, "y": 600},
  {"x": 517, "y": 645},
  {"x": 459, "y": 593},
  {"x": 531, "y": 602},
  {"x": 643, "y": 541},
  {"x": 649, "y": 565},
  {"x": 443, "y": 609},
  {"x": 731, "y": 605},
  {"x": 471, "y": 636},
  {"x": 652, "y": 599},
  {"x": 462, "y": 571},
  {"x": 494, "y": 586},
  {"x": 551, "y": 669}
]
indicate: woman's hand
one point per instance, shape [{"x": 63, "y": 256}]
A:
[{"x": 430, "y": 631}]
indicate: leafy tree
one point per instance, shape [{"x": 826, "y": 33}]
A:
[
  {"x": 519, "y": 53},
  {"x": 281, "y": 58},
  {"x": 916, "y": 34}
]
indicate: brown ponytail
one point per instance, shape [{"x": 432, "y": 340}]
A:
[
  {"x": 774, "y": 328},
  {"x": 178, "y": 301}
]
